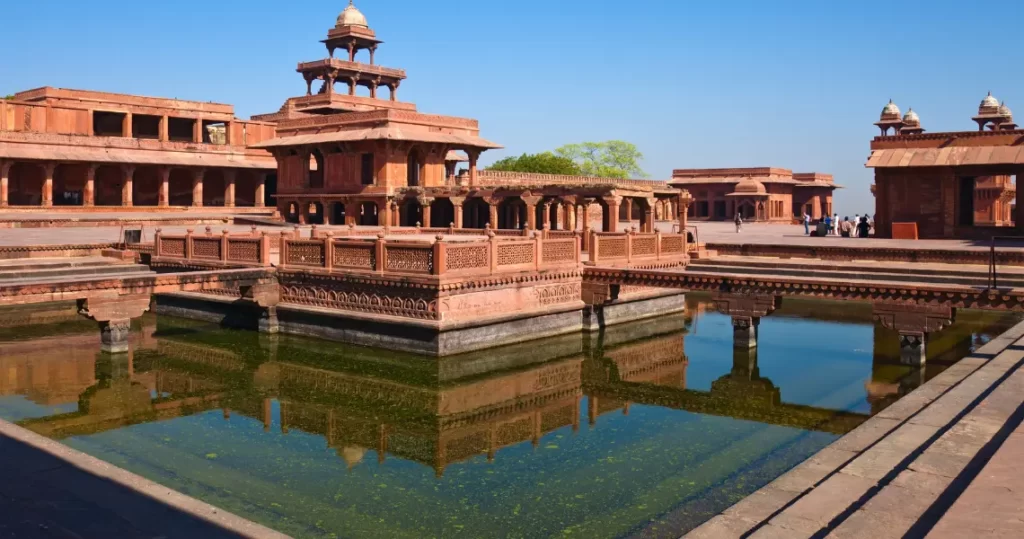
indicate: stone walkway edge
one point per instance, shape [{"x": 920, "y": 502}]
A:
[
  {"x": 892, "y": 476},
  {"x": 144, "y": 487}
]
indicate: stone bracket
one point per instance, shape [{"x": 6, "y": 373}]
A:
[
  {"x": 911, "y": 319},
  {"x": 746, "y": 305}
]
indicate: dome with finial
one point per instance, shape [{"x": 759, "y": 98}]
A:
[
  {"x": 1005, "y": 111},
  {"x": 750, "y": 186},
  {"x": 989, "y": 102},
  {"x": 890, "y": 110},
  {"x": 911, "y": 119},
  {"x": 352, "y": 17}
]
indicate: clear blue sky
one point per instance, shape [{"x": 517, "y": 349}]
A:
[{"x": 693, "y": 84}]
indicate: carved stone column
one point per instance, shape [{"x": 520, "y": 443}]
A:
[
  {"x": 89, "y": 193},
  {"x": 114, "y": 316},
  {"x": 5, "y": 173},
  {"x": 746, "y": 311},
  {"x": 492, "y": 206},
  {"x": 47, "y": 195},
  {"x": 457, "y": 203},
  {"x": 545, "y": 215},
  {"x": 164, "y": 197},
  {"x": 628, "y": 202},
  {"x": 473, "y": 156},
  {"x": 229, "y": 188},
  {"x": 531, "y": 202},
  {"x": 425, "y": 203},
  {"x": 266, "y": 296},
  {"x": 611, "y": 219},
  {"x": 744, "y": 331},
  {"x": 197, "y": 188},
  {"x": 126, "y": 187},
  {"x": 261, "y": 189},
  {"x": 683, "y": 207},
  {"x": 914, "y": 323}
]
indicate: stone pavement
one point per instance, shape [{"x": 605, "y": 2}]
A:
[{"x": 933, "y": 464}]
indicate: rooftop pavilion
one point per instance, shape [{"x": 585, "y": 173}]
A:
[{"x": 758, "y": 194}]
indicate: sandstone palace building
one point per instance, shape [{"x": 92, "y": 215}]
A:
[
  {"x": 346, "y": 151},
  {"x": 950, "y": 185}
]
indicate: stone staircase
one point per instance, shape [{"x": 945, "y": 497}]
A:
[
  {"x": 860, "y": 270},
  {"x": 58, "y": 270}
]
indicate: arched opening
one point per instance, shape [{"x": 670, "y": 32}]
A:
[
  {"x": 69, "y": 185},
  {"x": 368, "y": 214},
  {"x": 316, "y": 214},
  {"x": 410, "y": 212},
  {"x": 642, "y": 209},
  {"x": 316, "y": 168},
  {"x": 512, "y": 214},
  {"x": 442, "y": 213},
  {"x": 179, "y": 187},
  {"x": 25, "y": 184},
  {"x": 475, "y": 213},
  {"x": 292, "y": 215},
  {"x": 107, "y": 185},
  {"x": 337, "y": 213},
  {"x": 245, "y": 188},
  {"x": 145, "y": 186},
  {"x": 607, "y": 219},
  {"x": 413, "y": 168},
  {"x": 554, "y": 213}
]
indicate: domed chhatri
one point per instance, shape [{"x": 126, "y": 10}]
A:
[
  {"x": 890, "y": 111},
  {"x": 352, "y": 17},
  {"x": 890, "y": 119},
  {"x": 1005, "y": 111},
  {"x": 911, "y": 118},
  {"x": 988, "y": 103}
]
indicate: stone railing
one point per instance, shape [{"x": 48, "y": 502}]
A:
[
  {"x": 631, "y": 248},
  {"x": 414, "y": 230},
  {"x": 490, "y": 256},
  {"x": 498, "y": 177},
  {"x": 238, "y": 250}
]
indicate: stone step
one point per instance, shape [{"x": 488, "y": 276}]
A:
[
  {"x": 865, "y": 266},
  {"x": 973, "y": 280},
  {"x": 32, "y": 264},
  {"x": 72, "y": 274}
]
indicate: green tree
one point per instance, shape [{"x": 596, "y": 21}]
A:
[
  {"x": 9, "y": 96},
  {"x": 609, "y": 159},
  {"x": 538, "y": 163}
]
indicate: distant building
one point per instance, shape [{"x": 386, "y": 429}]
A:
[
  {"x": 757, "y": 194},
  {"x": 952, "y": 185}
]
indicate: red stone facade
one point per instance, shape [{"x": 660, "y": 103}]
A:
[
  {"x": 758, "y": 194},
  {"x": 952, "y": 185}
]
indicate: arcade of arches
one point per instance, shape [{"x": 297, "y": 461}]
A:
[{"x": 48, "y": 184}]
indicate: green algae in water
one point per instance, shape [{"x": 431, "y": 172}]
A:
[{"x": 648, "y": 429}]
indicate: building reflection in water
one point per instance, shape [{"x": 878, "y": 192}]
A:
[{"x": 377, "y": 405}]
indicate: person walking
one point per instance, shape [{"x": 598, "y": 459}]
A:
[
  {"x": 828, "y": 225},
  {"x": 835, "y": 225},
  {"x": 807, "y": 225},
  {"x": 863, "y": 228},
  {"x": 739, "y": 222}
]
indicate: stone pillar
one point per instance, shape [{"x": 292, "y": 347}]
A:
[
  {"x": 261, "y": 189},
  {"x": 5, "y": 173},
  {"x": 352, "y": 213},
  {"x": 492, "y": 206},
  {"x": 473, "y": 156},
  {"x": 425, "y": 203},
  {"x": 611, "y": 220},
  {"x": 648, "y": 216},
  {"x": 126, "y": 187},
  {"x": 457, "y": 203},
  {"x": 628, "y": 202},
  {"x": 545, "y": 216},
  {"x": 114, "y": 316},
  {"x": 531, "y": 209},
  {"x": 304, "y": 212},
  {"x": 266, "y": 296},
  {"x": 229, "y": 188},
  {"x": 197, "y": 131},
  {"x": 47, "y": 195},
  {"x": 683, "y": 207},
  {"x": 89, "y": 193},
  {"x": 164, "y": 197},
  {"x": 744, "y": 331},
  {"x": 197, "y": 188},
  {"x": 913, "y": 323},
  {"x": 162, "y": 127}
]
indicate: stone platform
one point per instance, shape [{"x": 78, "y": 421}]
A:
[{"x": 930, "y": 465}]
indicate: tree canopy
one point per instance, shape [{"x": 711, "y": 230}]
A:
[
  {"x": 609, "y": 159},
  {"x": 538, "y": 163}
]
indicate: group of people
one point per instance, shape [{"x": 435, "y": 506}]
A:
[{"x": 858, "y": 227}]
